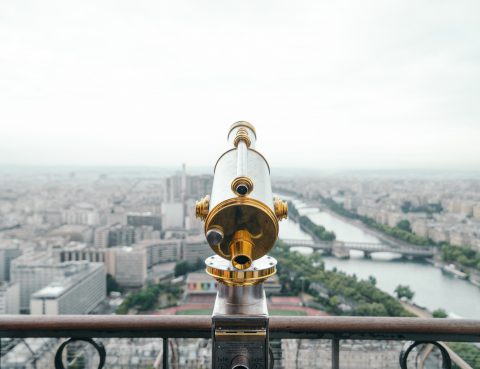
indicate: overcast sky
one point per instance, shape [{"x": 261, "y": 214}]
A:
[{"x": 328, "y": 85}]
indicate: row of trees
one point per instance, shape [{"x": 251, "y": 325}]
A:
[
  {"x": 402, "y": 231},
  {"x": 147, "y": 298},
  {"x": 317, "y": 230},
  {"x": 361, "y": 297},
  {"x": 460, "y": 255}
]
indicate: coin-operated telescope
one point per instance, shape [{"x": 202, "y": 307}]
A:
[{"x": 241, "y": 226}]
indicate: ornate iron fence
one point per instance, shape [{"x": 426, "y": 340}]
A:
[{"x": 92, "y": 328}]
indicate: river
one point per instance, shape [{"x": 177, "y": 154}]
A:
[{"x": 433, "y": 288}]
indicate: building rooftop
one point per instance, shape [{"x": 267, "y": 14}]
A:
[
  {"x": 75, "y": 246},
  {"x": 199, "y": 278},
  {"x": 127, "y": 249},
  {"x": 51, "y": 291},
  {"x": 69, "y": 228},
  {"x": 140, "y": 213}
]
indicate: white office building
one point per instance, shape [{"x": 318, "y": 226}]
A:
[
  {"x": 78, "y": 293},
  {"x": 77, "y": 251},
  {"x": 81, "y": 213},
  {"x": 129, "y": 266},
  {"x": 173, "y": 215},
  {"x": 159, "y": 251},
  {"x": 195, "y": 248},
  {"x": 35, "y": 271},
  {"x": 100, "y": 237}
]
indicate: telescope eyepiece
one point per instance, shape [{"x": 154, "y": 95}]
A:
[
  {"x": 242, "y": 186},
  {"x": 242, "y": 189},
  {"x": 241, "y": 249},
  {"x": 241, "y": 259}
]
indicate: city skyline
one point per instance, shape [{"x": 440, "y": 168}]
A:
[
  {"x": 354, "y": 208},
  {"x": 118, "y": 218},
  {"x": 328, "y": 86}
]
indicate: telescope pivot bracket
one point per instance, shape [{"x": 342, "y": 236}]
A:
[{"x": 240, "y": 328}]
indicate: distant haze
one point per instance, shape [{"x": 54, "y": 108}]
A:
[{"x": 328, "y": 85}]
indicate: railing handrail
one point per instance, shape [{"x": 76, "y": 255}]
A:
[{"x": 199, "y": 326}]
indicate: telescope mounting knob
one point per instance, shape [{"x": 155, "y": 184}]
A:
[
  {"x": 281, "y": 208},
  {"x": 202, "y": 207},
  {"x": 214, "y": 236}
]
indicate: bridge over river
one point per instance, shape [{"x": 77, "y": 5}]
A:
[{"x": 341, "y": 248}]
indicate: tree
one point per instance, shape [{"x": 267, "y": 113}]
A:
[
  {"x": 184, "y": 267},
  {"x": 331, "y": 287},
  {"x": 319, "y": 231},
  {"x": 406, "y": 206},
  {"x": 334, "y": 301},
  {"x": 404, "y": 292},
  {"x": 439, "y": 313},
  {"x": 112, "y": 284},
  {"x": 404, "y": 225},
  {"x": 181, "y": 268},
  {"x": 372, "y": 280}
]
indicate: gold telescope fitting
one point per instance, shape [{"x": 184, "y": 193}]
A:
[
  {"x": 243, "y": 123},
  {"x": 281, "y": 209},
  {"x": 242, "y": 135},
  {"x": 201, "y": 208},
  {"x": 241, "y": 249},
  {"x": 242, "y": 186},
  {"x": 247, "y": 214},
  {"x": 221, "y": 269}
]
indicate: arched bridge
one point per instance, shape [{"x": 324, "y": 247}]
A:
[{"x": 367, "y": 247}]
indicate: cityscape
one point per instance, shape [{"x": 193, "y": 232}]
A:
[
  {"x": 336, "y": 227},
  {"x": 115, "y": 241}
]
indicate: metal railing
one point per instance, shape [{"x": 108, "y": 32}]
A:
[{"x": 90, "y": 327}]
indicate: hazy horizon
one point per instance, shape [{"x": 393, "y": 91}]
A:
[
  {"x": 329, "y": 86},
  {"x": 277, "y": 172}
]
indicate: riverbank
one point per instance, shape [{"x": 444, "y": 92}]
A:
[
  {"x": 333, "y": 291},
  {"x": 318, "y": 232},
  {"x": 433, "y": 288},
  {"x": 466, "y": 259},
  {"x": 373, "y": 232},
  {"x": 473, "y": 275}
]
